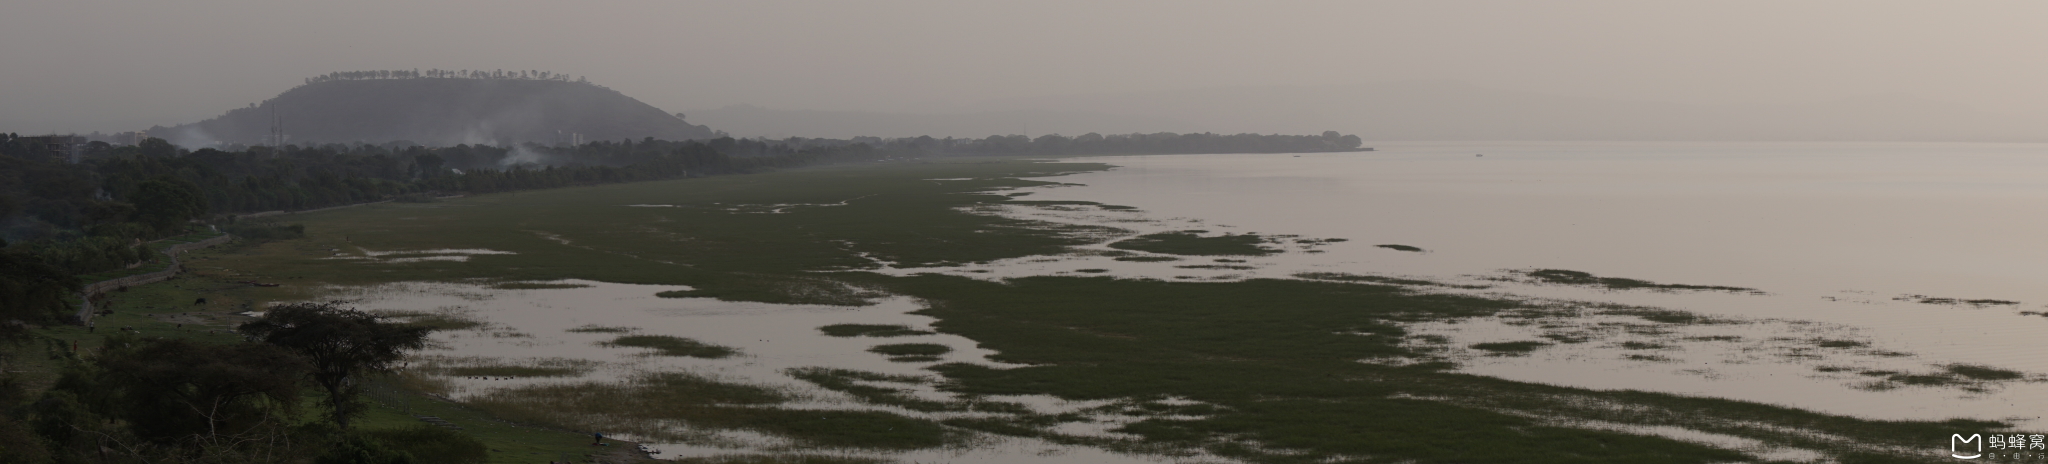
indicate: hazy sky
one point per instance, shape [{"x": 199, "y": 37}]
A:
[{"x": 113, "y": 65}]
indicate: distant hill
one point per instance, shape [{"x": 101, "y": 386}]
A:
[{"x": 441, "y": 111}]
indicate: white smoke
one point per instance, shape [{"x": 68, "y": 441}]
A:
[
  {"x": 523, "y": 154},
  {"x": 478, "y": 134},
  {"x": 192, "y": 137}
]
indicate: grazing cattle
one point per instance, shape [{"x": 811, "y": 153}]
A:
[{"x": 200, "y": 301}]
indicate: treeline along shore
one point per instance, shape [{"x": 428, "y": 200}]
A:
[{"x": 72, "y": 210}]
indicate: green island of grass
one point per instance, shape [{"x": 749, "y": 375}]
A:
[
  {"x": 911, "y": 349},
  {"x": 1560, "y": 276},
  {"x": 674, "y": 346},
  {"x": 1192, "y": 243},
  {"x": 871, "y": 330},
  {"x": 1510, "y": 347}
]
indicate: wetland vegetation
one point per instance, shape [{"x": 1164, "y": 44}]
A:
[
  {"x": 1564, "y": 277},
  {"x": 871, "y": 330},
  {"x": 1191, "y": 242},
  {"x": 674, "y": 346},
  {"x": 1265, "y": 370}
]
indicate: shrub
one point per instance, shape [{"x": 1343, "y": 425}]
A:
[{"x": 433, "y": 444}]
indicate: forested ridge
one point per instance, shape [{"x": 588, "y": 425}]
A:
[{"x": 520, "y": 74}]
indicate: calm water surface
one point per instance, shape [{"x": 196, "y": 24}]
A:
[
  {"x": 1842, "y": 236},
  {"x": 1959, "y": 220}
]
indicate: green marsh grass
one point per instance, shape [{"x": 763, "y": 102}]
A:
[
  {"x": 1513, "y": 347},
  {"x": 871, "y": 330},
  {"x": 1560, "y": 276},
  {"x": 1976, "y": 372},
  {"x": 1347, "y": 277},
  {"x": 1192, "y": 243},
  {"x": 911, "y": 349},
  {"x": 498, "y": 367},
  {"x": 1636, "y": 345},
  {"x": 666, "y": 345},
  {"x": 1982, "y": 302}
]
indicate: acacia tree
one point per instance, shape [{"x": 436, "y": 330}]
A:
[
  {"x": 171, "y": 389},
  {"x": 340, "y": 345}
]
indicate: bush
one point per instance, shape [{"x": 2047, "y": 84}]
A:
[
  {"x": 433, "y": 444},
  {"x": 361, "y": 448}
]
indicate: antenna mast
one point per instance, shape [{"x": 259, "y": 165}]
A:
[{"x": 276, "y": 128}]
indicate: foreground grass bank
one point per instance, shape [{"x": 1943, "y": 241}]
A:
[{"x": 1271, "y": 368}]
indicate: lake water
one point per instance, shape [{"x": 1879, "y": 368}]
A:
[{"x": 1849, "y": 240}]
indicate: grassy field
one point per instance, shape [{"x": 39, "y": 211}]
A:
[{"x": 1273, "y": 364}]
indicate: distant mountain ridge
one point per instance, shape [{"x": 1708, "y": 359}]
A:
[{"x": 441, "y": 111}]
